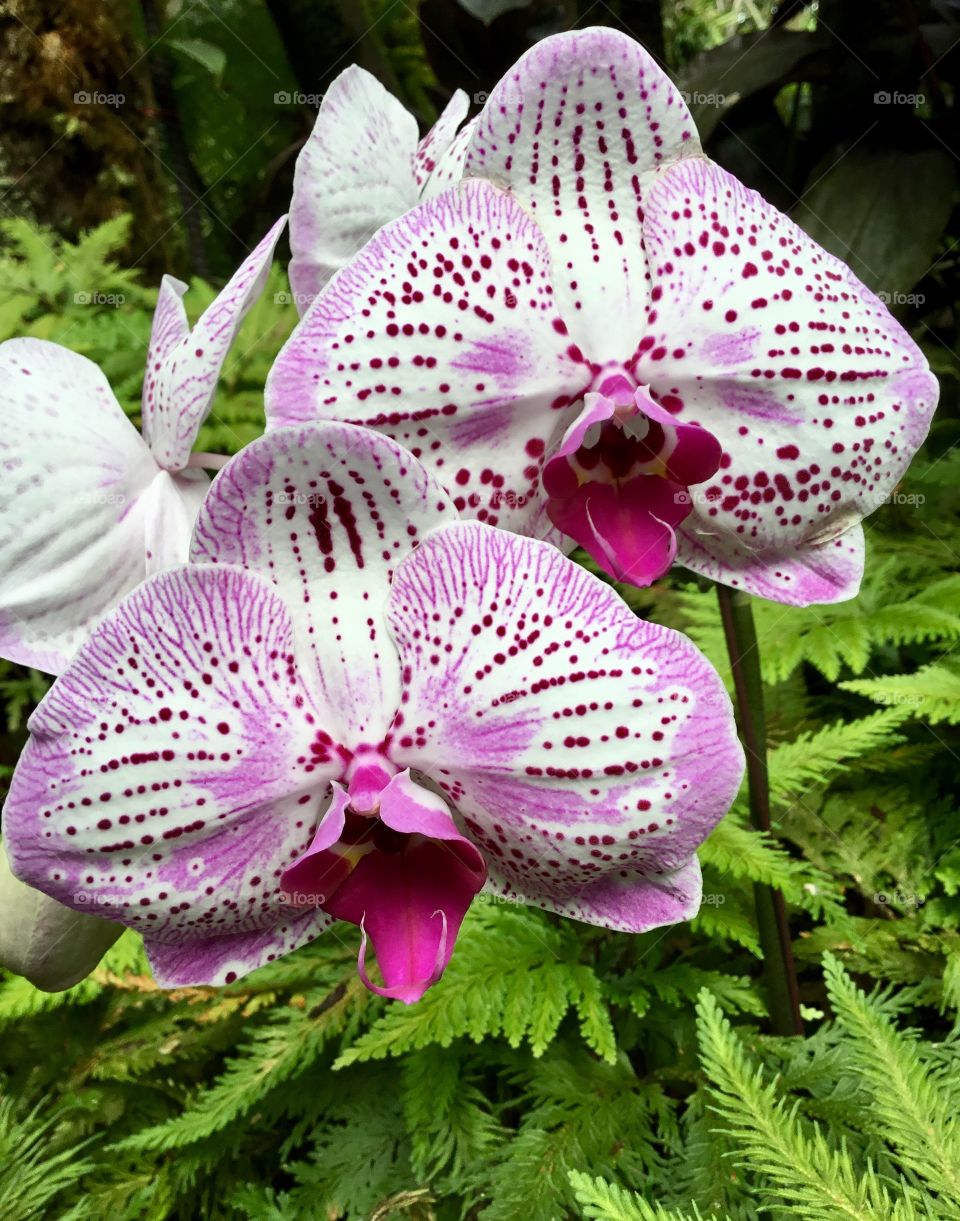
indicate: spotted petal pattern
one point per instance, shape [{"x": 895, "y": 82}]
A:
[
  {"x": 181, "y": 380},
  {"x": 587, "y": 752},
  {"x": 576, "y": 130},
  {"x": 354, "y": 174},
  {"x": 442, "y": 334},
  {"x": 817, "y": 395},
  {"x": 326, "y": 512},
  {"x": 434, "y": 166},
  {"x": 170, "y": 776},
  {"x": 75, "y": 472}
]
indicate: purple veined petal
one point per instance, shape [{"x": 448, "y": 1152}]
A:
[
  {"x": 169, "y": 329},
  {"x": 176, "y": 768},
  {"x": 354, "y": 174},
  {"x": 51, "y": 945},
  {"x": 221, "y": 960},
  {"x": 449, "y": 168},
  {"x": 326, "y": 511},
  {"x": 170, "y": 505},
  {"x": 817, "y": 395},
  {"x": 442, "y": 333},
  {"x": 75, "y": 471},
  {"x": 179, "y": 388},
  {"x": 576, "y": 130},
  {"x": 812, "y": 573},
  {"x": 434, "y": 148},
  {"x": 585, "y": 752}
]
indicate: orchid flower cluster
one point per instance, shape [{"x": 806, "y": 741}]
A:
[{"x": 357, "y": 677}]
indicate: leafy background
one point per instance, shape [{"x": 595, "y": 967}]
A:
[{"x": 557, "y": 1070}]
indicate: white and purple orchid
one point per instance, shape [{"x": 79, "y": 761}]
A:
[
  {"x": 351, "y": 705},
  {"x": 599, "y": 318},
  {"x": 364, "y": 165},
  {"x": 88, "y": 506}
]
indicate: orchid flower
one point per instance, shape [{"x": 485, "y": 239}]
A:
[
  {"x": 88, "y": 506},
  {"x": 362, "y": 166},
  {"x": 350, "y": 705},
  {"x": 606, "y": 320}
]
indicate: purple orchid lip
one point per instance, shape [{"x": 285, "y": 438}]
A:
[
  {"x": 619, "y": 482},
  {"x": 400, "y": 870}
]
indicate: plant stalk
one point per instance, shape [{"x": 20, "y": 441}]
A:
[{"x": 772, "y": 924}]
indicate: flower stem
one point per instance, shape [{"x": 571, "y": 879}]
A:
[{"x": 772, "y": 924}]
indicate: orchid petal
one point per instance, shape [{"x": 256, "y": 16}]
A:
[
  {"x": 587, "y": 752},
  {"x": 49, "y": 944},
  {"x": 817, "y": 395},
  {"x": 354, "y": 174},
  {"x": 71, "y": 510},
  {"x": 435, "y": 167},
  {"x": 326, "y": 511},
  {"x": 171, "y": 504},
  {"x": 169, "y": 329},
  {"x": 178, "y": 388},
  {"x": 442, "y": 334},
  {"x": 221, "y": 960},
  {"x": 176, "y": 768},
  {"x": 824, "y": 572},
  {"x": 576, "y": 130}
]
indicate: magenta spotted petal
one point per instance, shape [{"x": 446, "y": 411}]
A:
[
  {"x": 576, "y": 130},
  {"x": 349, "y": 707},
  {"x": 818, "y": 396},
  {"x": 587, "y": 752},
  {"x": 326, "y": 513},
  {"x": 443, "y": 334},
  {"x": 362, "y": 167}
]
